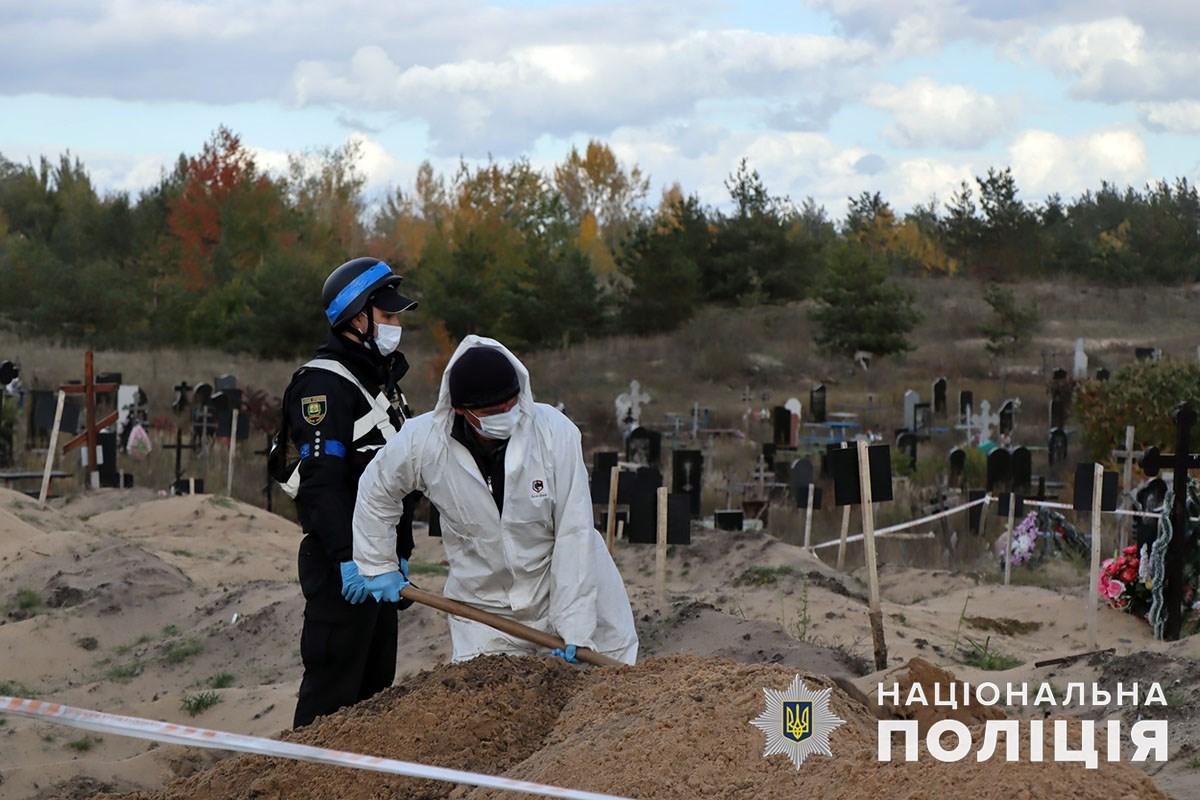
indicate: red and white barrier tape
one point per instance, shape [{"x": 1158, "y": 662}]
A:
[
  {"x": 883, "y": 532},
  {"x": 172, "y": 733}
]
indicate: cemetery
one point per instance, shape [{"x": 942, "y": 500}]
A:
[{"x": 848, "y": 523}]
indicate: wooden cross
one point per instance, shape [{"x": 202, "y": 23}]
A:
[
  {"x": 1127, "y": 455},
  {"x": 89, "y": 389},
  {"x": 179, "y": 447},
  {"x": 1180, "y": 461}
]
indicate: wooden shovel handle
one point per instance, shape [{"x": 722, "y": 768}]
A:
[{"x": 511, "y": 627}]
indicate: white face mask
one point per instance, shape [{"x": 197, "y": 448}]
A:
[
  {"x": 387, "y": 338},
  {"x": 499, "y": 426}
]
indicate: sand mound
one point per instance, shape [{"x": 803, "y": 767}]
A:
[
  {"x": 670, "y": 727},
  {"x": 213, "y": 539}
]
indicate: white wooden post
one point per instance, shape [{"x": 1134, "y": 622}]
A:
[
  {"x": 812, "y": 490},
  {"x": 614, "y": 476},
  {"x": 660, "y": 552},
  {"x": 1127, "y": 484},
  {"x": 232, "y": 452},
  {"x": 1012, "y": 512},
  {"x": 1092, "y": 614},
  {"x": 58, "y": 412},
  {"x": 841, "y": 556},
  {"x": 868, "y": 515}
]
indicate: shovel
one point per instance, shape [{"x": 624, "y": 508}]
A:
[{"x": 504, "y": 625}]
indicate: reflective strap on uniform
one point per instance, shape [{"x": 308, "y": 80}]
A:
[{"x": 354, "y": 288}]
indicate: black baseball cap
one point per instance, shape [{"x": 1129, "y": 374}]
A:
[{"x": 390, "y": 300}]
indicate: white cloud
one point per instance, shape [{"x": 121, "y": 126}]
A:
[
  {"x": 928, "y": 113},
  {"x": 1115, "y": 60},
  {"x": 500, "y": 105},
  {"x": 1182, "y": 116},
  {"x": 1045, "y": 162}
]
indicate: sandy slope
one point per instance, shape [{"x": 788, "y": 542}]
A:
[{"x": 139, "y": 597}]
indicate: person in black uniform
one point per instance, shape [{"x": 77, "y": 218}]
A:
[{"x": 339, "y": 409}]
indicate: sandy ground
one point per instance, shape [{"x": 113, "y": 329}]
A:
[{"x": 141, "y": 601}]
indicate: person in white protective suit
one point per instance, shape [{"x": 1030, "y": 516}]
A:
[{"x": 507, "y": 476}]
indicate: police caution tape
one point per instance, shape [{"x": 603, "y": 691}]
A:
[
  {"x": 1073, "y": 741},
  {"x": 170, "y": 733}
]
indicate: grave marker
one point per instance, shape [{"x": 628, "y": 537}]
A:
[
  {"x": 939, "y": 397},
  {"x": 966, "y": 403},
  {"x": 629, "y": 406},
  {"x": 1022, "y": 470},
  {"x": 1081, "y": 361},
  {"x": 1181, "y": 461},
  {"x": 1057, "y": 447},
  {"x": 816, "y": 402},
  {"x": 644, "y": 447},
  {"x": 923, "y": 420},
  {"x": 92, "y": 426},
  {"x": 911, "y": 399},
  {"x": 687, "y": 477},
  {"x": 957, "y": 460}
]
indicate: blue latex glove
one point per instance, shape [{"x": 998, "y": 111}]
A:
[
  {"x": 567, "y": 653},
  {"x": 404, "y": 568},
  {"x": 386, "y": 587},
  {"x": 354, "y": 586}
]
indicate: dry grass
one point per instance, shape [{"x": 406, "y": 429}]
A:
[{"x": 711, "y": 361}]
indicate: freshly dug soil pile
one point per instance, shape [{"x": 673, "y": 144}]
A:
[{"x": 674, "y": 727}]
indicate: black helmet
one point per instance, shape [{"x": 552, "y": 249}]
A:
[{"x": 349, "y": 287}]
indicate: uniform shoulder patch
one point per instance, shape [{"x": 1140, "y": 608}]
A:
[{"x": 314, "y": 408}]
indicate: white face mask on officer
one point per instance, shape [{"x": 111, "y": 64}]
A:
[
  {"x": 387, "y": 338},
  {"x": 499, "y": 426}
]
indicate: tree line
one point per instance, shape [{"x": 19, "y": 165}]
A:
[{"x": 222, "y": 253}]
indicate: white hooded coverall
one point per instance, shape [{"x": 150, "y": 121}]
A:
[{"x": 541, "y": 562}]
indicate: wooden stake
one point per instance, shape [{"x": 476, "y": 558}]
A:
[
  {"x": 1127, "y": 483},
  {"x": 1012, "y": 511},
  {"x": 868, "y": 514},
  {"x": 808, "y": 517},
  {"x": 610, "y": 534},
  {"x": 232, "y": 451},
  {"x": 1097, "y": 489},
  {"x": 620, "y": 530},
  {"x": 660, "y": 552},
  {"x": 841, "y": 557},
  {"x": 58, "y": 412}
]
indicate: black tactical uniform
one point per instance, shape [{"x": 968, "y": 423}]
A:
[{"x": 339, "y": 410}]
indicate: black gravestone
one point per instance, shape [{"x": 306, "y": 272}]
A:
[
  {"x": 800, "y": 495},
  {"x": 1103, "y": 374},
  {"x": 768, "y": 453},
  {"x": 958, "y": 462},
  {"x": 1005, "y": 499},
  {"x": 602, "y": 463},
  {"x": 644, "y": 447},
  {"x": 1007, "y": 418},
  {"x": 1022, "y": 470},
  {"x": 729, "y": 520},
  {"x": 800, "y": 473},
  {"x": 643, "y": 506},
  {"x": 844, "y": 465},
  {"x": 816, "y": 403},
  {"x": 687, "y": 477},
  {"x": 1057, "y": 447},
  {"x": 966, "y": 403},
  {"x": 1058, "y": 413},
  {"x": 1084, "y": 478},
  {"x": 999, "y": 468},
  {"x": 975, "y": 513},
  {"x": 939, "y": 397},
  {"x": 781, "y": 426}
]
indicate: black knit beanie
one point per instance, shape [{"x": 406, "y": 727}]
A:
[{"x": 482, "y": 376}]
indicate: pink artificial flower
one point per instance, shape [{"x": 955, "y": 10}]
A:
[{"x": 1114, "y": 590}]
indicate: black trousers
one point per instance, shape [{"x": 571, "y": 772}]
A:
[{"x": 349, "y": 651}]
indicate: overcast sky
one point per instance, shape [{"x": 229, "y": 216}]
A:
[{"x": 826, "y": 98}]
